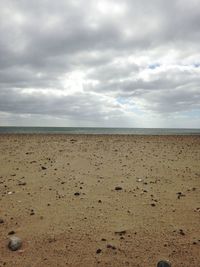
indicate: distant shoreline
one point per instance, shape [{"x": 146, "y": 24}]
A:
[{"x": 97, "y": 131}]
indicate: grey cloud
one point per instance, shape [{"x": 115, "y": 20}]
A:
[
  {"x": 43, "y": 41},
  {"x": 183, "y": 99},
  {"x": 78, "y": 106}
]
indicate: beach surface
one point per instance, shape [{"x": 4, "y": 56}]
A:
[{"x": 100, "y": 200}]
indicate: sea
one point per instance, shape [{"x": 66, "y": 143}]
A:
[{"x": 93, "y": 130}]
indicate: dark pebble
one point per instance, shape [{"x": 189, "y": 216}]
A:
[
  {"x": 118, "y": 188},
  {"x": 110, "y": 246},
  {"x": 98, "y": 251},
  {"x": 181, "y": 232},
  {"x": 11, "y": 233},
  {"x": 22, "y": 183},
  {"x": 123, "y": 232}
]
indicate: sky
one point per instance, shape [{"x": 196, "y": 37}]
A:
[{"x": 100, "y": 63}]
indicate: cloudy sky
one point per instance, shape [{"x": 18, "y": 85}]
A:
[{"x": 105, "y": 63}]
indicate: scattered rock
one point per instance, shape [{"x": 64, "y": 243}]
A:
[
  {"x": 98, "y": 251},
  {"x": 123, "y": 232},
  {"x": 22, "y": 183},
  {"x": 180, "y": 194},
  {"x": 32, "y": 212},
  {"x": 181, "y": 232},
  {"x": 117, "y": 188},
  {"x": 14, "y": 243},
  {"x": 77, "y": 194},
  {"x": 111, "y": 246},
  {"x": 197, "y": 209},
  {"x": 153, "y": 204},
  {"x": 11, "y": 233},
  {"x": 43, "y": 168},
  {"x": 1, "y": 221}
]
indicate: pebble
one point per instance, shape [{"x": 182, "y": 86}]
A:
[
  {"x": 22, "y": 183},
  {"x": 14, "y": 243},
  {"x": 32, "y": 212},
  {"x": 118, "y": 188},
  {"x": 1, "y": 221},
  {"x": 123, "y": 232},
  {"x": 77, "y": 194},
  {"x": 181, "y": 232},
  {"x": 98, "y": 251},
  {"x": 11, "y": 233},
  {"x": 111, "y": 246},
  {"x": 44, "y": 168},
  {"x": 180, "y": 194}
]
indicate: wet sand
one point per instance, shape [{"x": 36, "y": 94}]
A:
[{"x": 100, "y": 200}]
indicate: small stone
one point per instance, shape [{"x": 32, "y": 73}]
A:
[
  {"x": 153, "y": 204},
  {"x": 22, "y": 183},
  {"x": 111, "y": 246},
  {"x": 14, "y": 243},
  {"x": 11, "y": 233},
  {"x": 180, "y": 194},
  {"x": 32, "y": 212},
  {"x": 123, "y": 232},
  {"x": 117, "y": 188},
  {"x": 181, "y": 232},
  {"x": 98, "y": 251},
  {"x": 77, "y": 194},
  {"x": 1, "y": 221},
  {"x": 44, "y": 168}
]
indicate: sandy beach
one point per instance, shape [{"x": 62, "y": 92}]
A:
[{"x": 100, "y": 200}]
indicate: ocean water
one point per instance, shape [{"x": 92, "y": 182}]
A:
[{"x": 90, "y": 130}]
